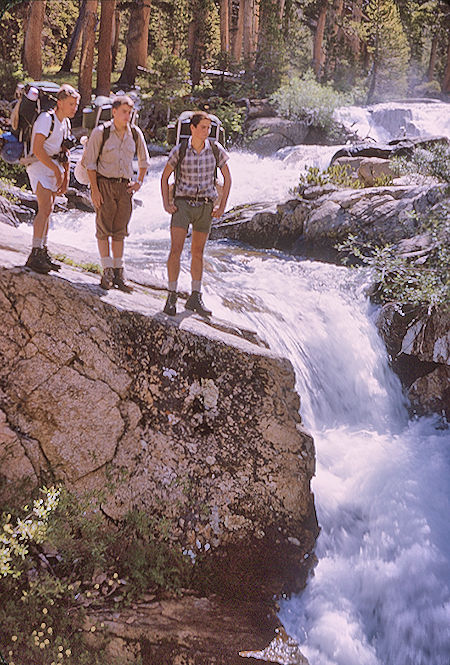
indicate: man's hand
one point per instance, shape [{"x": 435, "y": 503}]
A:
[
  {"x": 218, "y": 212},
  {"x": 171, "y": 208},
  {"x": 133, "y": 187},
  {"x": 97, "y": 198},
  {"x": 59, "y": 175},
  {"x": 62, "y": 189}
]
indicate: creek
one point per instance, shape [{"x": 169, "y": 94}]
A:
[{"x": 379, "y": 594}]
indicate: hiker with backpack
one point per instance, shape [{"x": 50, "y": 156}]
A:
[
  {"x": 195, "y": 202},
  {"x": 108, "y": 159},
  {"x": 48, "y": 170}
]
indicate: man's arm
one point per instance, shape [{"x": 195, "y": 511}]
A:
[
  {"x": 220, "y": 209},
  {"x": 143, "y": 161},
  {"x": 90, "y": 159},
  {"x": 41, "y": 155},
  {"x": 168, "y": 207}
]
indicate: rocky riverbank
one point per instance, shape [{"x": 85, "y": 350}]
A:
[
  {"x": 190, "y": 420},
  {"x": 320, "y": 217}
]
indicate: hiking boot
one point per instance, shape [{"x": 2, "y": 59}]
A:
[
  {"x": 107, "y": 281},
  {"x": 195, "y": 304},
  {"x": 119, "y": 282},
  {"x": 48, "y": 258},
  {"x": 37, "y": 261},
  {"x": 170, "y": 307}
]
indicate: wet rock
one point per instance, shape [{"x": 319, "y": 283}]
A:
[
  {"x": 8, "y": 213},
  {"x": 402, "y": 146},
  {"x": 323, "y": 216},
  {"x": 195, "y": 630},
  {"x": 418, "y": 341}
]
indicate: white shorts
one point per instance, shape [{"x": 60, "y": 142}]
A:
[{"x": 38, "y": 172}]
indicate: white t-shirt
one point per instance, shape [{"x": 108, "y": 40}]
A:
[
  {"x": 52, "y": 144},
  {"x": 37, "y": 171}
]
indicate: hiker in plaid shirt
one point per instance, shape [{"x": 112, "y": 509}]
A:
[{"x": 195, "y": 202}]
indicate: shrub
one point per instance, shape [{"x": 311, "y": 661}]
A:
[
  {"x": 416, "y": 280},
  {"x": 336, "y": 174},
  {"x": 232, "y": 118},
  {"x": 305, "y": 99},
  {"x": 431, "y": 161}
]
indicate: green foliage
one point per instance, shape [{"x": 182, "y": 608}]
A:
[
  {"x": 11, "y": 73},
  {"x": 87, "y": 267},
  {"x": 150, "y": 559},
  {"x": 15, "y": 173},
  {"x": 387, "y": 43},
  {"x": 232, "y": 117},
  {"x": 336, "y": 174},
  {"x": 433, "y": 161},
  {"x": 168, "y": 78},
  {"x": 11, "y": 36},
  {"x": 15, "y": 537},
  {"x": 62, "y": 557},
  {"x": 418, "y": 279},
  {"x": 306, "y": 99},
  {"x": 61, "y": 16}
]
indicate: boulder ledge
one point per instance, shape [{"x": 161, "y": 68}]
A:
[{"x": 199, "y": 428}]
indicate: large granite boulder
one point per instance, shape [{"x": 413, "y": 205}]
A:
[
  {"x": 323, "y": 216},
  {"x": 201, "y": 429}
]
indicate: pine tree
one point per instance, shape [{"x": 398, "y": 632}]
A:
[{"x": 388, "y": 46}]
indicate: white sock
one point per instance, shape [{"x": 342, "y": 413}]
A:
[
  {"x": 118, "y": 262},
  {"x": 106, "y": 262},
  {"x": 172, "y": 286},
  {"x": 37, "y": 242},
  {"x": 196, "y": 284}
]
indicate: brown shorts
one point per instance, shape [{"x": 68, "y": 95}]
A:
[{"x": 113, "y": 216}]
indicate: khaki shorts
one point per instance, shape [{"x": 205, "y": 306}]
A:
[
  {"x": 115, "y": 212},
  {"x": 198, "y": 216}
]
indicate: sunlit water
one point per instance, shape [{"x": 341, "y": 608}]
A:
[{"x": 379, "y": 594}]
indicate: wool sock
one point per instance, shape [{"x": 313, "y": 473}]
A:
[
  {"x": 37, "y": 243},
  {"x": 106, "y": 262},
  {"x": 118, "y": 262},
  {"x": 196, "y": 284},
  {"x": 173, "y": 286}
]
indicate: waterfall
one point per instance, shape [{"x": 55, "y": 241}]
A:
[
  {"x": 379, "y": 594},
  {"x": 391, "y": 120}
]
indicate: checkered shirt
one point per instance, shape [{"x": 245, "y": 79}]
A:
[{"x": 197, "y": 170}]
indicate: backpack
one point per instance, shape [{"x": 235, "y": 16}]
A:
[
  {"x": 180, "y": 132},
  {"x": 80, "y": 171},
  {"x": 33, "y": 99}
]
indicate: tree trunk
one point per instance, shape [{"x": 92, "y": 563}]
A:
[
  {"x": 318, "y": 52},
  {"x": 137, "y": 42},
  {"x": 74, "y": 40},
  {"x": 238, "y": 36},
  {"x": 87, "y": 53},
  {"x": 115, "y": 38},
  {"x": 248, "y": 7},
  {"x": 354, "y": 39},
  {"x": 197, "y": 34},
  {"x": 225, "y": 26},
  {"x": 104, "y": 62},
  {"x": 32, "y": 53},
  {"x": 446, "y": 81},
  {"x": 433, "y": 58}
]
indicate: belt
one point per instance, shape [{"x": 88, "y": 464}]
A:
[
  {"x": 196, "y": 199},
  {"x": 103, "y": 177}
]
